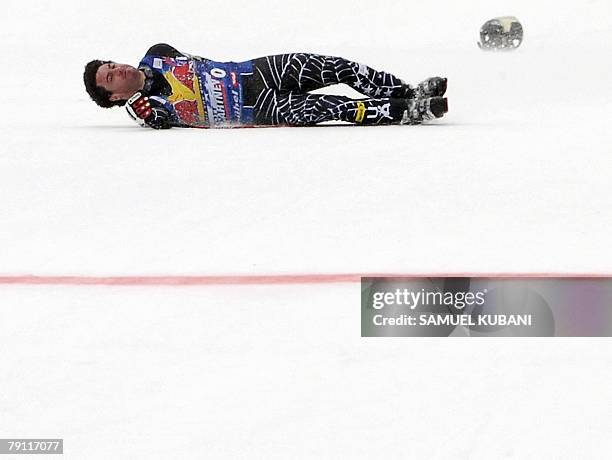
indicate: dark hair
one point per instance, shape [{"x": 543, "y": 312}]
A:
[{"x": 99, "y": 95}]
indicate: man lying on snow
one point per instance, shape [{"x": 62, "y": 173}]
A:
[{"x": 170, "y": 88}]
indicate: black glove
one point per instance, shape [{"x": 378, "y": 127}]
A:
[{"x": 141, "y": 110}]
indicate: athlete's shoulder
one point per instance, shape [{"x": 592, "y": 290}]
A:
[{"x": 163, "y": 49}]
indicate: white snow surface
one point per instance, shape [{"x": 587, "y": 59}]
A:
[{"x": 516, "y": 178}]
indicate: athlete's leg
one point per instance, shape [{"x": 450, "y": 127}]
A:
[
  {"x": 306, "y": 72},
  {"x": 282, "y": 83},
  {"x": 309, "y": 109},
  {"x": 303, "y": 72},
  {"x": 300, "y": 109}
]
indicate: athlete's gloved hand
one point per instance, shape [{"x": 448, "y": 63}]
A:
[
  {"x": 141, "y": 110},
  {"x": 139, "y": 106}
]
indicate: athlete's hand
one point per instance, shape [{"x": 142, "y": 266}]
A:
[
  {"x": 140, "y": 109},
  {"x": 139, "y": 106}
]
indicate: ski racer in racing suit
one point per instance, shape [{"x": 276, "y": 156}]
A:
[{"x": 174, "y": 89}]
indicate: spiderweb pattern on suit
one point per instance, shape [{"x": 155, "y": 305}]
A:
[{"x": 286, "y": 80}]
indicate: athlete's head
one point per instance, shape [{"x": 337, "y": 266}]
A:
[{"x": 110, "y": 84}]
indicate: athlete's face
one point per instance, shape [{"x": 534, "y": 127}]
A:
[{"x": 121, "y": 80}]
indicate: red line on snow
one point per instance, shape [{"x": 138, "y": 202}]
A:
[{"x": 211, "y": 280}]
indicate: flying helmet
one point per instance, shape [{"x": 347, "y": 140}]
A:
[{"x": 501, "y": 34}]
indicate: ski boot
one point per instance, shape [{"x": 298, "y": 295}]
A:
[
  {"x": 432, "y": 87},
  {"x": 420, "y": 110}
]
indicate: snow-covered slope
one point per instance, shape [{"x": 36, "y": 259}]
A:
[{"x": 515, "y": 178}]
